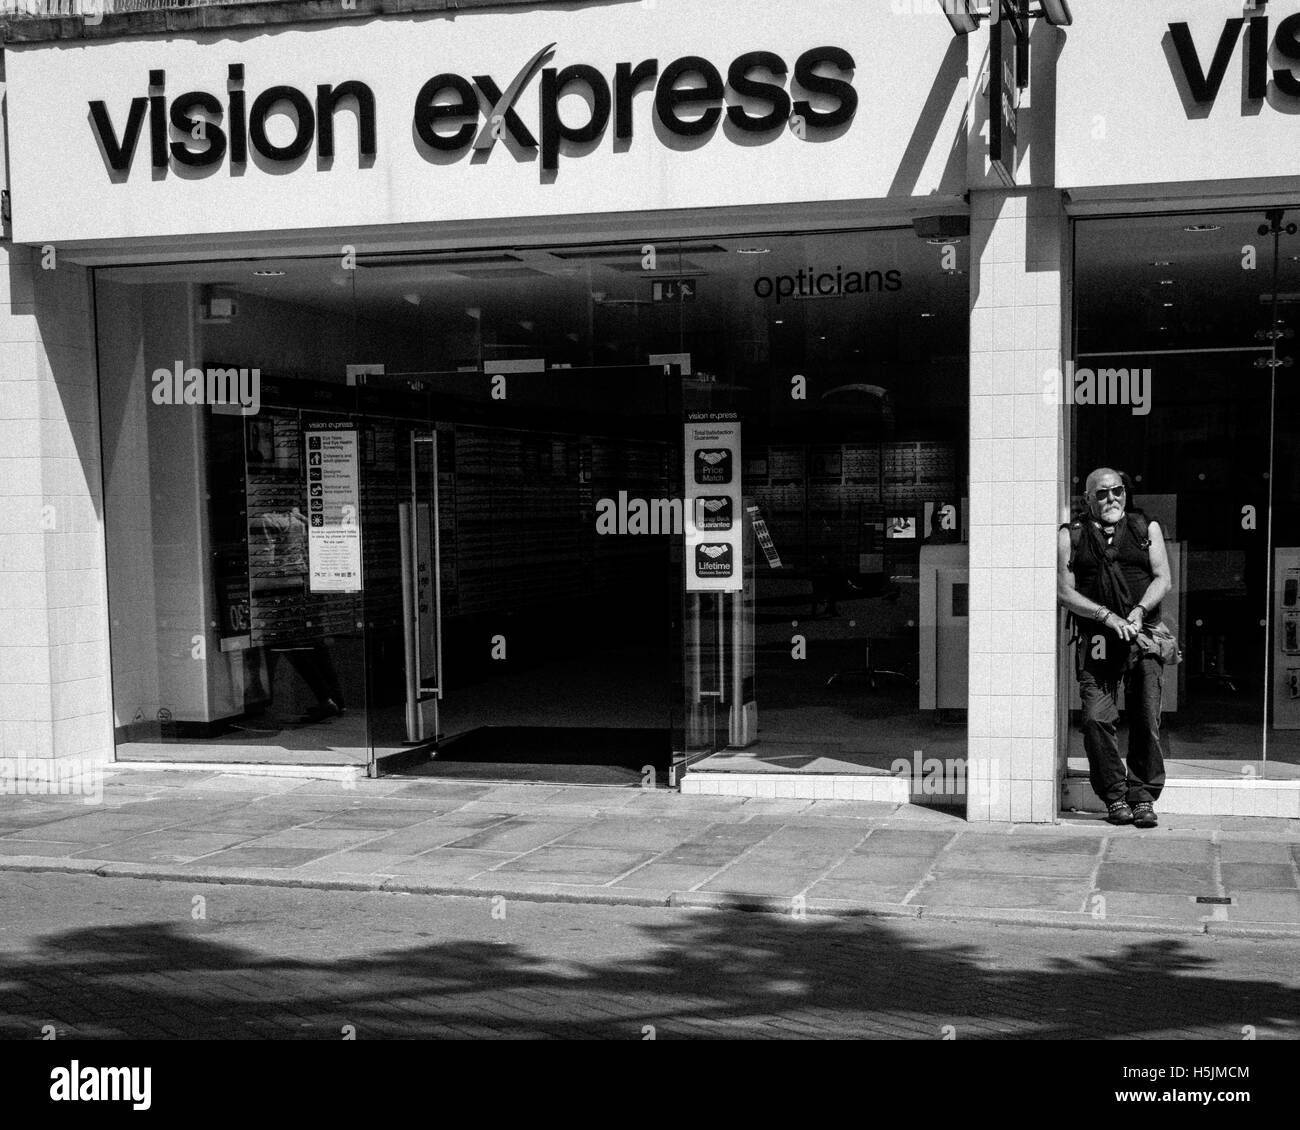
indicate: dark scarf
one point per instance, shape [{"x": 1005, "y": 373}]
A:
[{"x": 1115, "y": 593}]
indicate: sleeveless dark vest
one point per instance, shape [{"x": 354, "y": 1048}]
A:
[{"x": 1134, "y": 562}]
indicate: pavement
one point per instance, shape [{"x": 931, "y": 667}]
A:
[{"x": 655, "y": 847}]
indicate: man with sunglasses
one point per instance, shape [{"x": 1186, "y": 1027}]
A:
[{"x": 1104, "y": 563}]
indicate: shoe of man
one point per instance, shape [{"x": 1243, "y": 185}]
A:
[
  {"x": 1144, "y": 815},
  {"x": 1119, "y": 813}
]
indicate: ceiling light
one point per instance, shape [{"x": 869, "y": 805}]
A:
[
  {"x": 1166, "y": 282},
  {"x": 269, "y": 274},
  {"x": 927, "y": 315},
  {"x": 1203, "y": 227},
  {"x": 1168, "y": 305},
  {"x": 753, "y": 251},
  {"x": 1162, "y": 263}
]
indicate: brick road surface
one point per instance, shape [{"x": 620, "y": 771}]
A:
[{"x": 134, "y": 958}]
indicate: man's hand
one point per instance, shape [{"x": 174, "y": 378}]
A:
[{"x": 1125, "y": 629}]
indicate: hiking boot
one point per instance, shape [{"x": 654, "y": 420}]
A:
[
  {"x": 1119, "y": 813},
  {"x": 1144, "y": 815}
]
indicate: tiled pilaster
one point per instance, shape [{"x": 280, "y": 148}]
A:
[
  {"x": 54, "y": 689},
  {"x": 1017, "y": 262}
]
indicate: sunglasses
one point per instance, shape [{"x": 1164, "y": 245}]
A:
[{"x": 1108, "y": 492}]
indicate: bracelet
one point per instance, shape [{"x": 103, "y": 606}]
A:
[{"x": 1102, "y": 614}]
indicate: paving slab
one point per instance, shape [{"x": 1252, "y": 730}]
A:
[
  {"x": 712, "y": 856},
  {"x": 894, "y": 841},
  {"x": 356, "y": 863},
  {"x": 450, "y": 865},
  {"x": 1104, "y": 905},
  {"x": 95, "y": 828},
  {"x": 645, "y": 833},
  {"x": 986, "y": 862},
  {"x": 1258, "y": 877},
  {"x": 250, "y": 820},
  {"x": 165, "y": 847},
  {"x": 383, "y": 819},
  {"x": 1128, "y": 849},
  {"x": 1157, "y": 878},
  {"x": 659, "y": 875},
  {"x": 859, "y": 890},
  {"x": 1265, "y": 906},
  {"x": 255, "y": 857},
  {"x": 907, "y": 870},
  {"x": 1004, "y": 893},
  {"x": 518, "y": 834},
  {"x": 798, "y": 837},
  {"x": 593, "y": 865},
  {"x": 769, "y": 881},
  {"x": 1064, "y": 845},
  {"x": 432, "y": 833},
  {"x": 52, "y": 848},
  {"x": 1255, "y": 851},
  {"x": 331, "y": 839}
]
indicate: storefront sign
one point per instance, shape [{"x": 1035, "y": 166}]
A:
[
  {"x": 1167, "y": 91},
  {"x": 714, "y": 542},
  {"x": 545, "y": 112},
  {"x": 212, "y": 131},
  {"x": 1203, "y": 80},
  {"x": 333, "y": 529}
]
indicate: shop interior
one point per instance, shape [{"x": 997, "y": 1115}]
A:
[
  {"x": 1211, "y": 456},
  {"x": 550, "y": 383}
]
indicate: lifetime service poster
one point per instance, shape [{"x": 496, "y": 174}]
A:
[
  {"x": 333, "y": 530},
  {"x": 712, "y": 511}
]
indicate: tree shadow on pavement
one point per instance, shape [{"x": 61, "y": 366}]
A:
[{"x": 694, "y": 975}]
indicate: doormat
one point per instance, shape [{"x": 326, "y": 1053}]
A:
[{"x": 569, "y": 755}]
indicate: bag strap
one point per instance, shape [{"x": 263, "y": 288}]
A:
[
  {"x": 1138, "y": 527},
  {"x": 1076, "y": 536}
]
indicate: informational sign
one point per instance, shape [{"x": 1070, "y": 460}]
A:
[
  {"x": 1004, "y": 102},
  {"x": 714, "y": 543},
  {"x": 333, "y": 530},
  {"x": 764, "y": 536},
  {"x": 674, "y": 290}
]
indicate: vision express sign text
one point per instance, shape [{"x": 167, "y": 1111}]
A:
[{"x": 453, "y": 113}]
